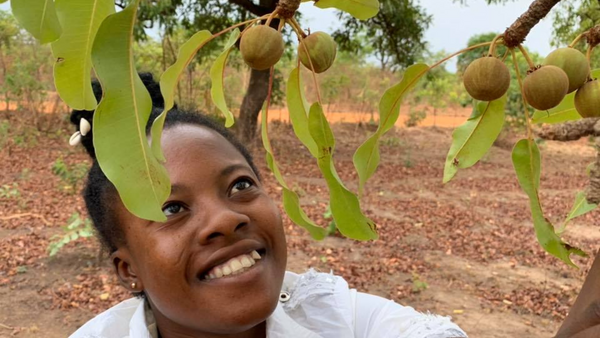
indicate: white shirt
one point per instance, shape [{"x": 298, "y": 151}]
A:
[{"x": 319, "y": 305}]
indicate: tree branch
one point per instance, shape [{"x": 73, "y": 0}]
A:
[
  {"x": 252, "y": 8},
  {"x": 571, "y": 131},
  {"x": 518, "y": 31}
]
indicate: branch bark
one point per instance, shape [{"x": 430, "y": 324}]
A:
[
  {"x": 287, "y": 8},
  {"x": 593, "y": 36},
  {"x": 571, "y": 131},
  {"x": 518, "y": 31}
]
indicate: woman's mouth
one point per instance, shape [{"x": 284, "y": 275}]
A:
[{"x": 233, "y": 266}]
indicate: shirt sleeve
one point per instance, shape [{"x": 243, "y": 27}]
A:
[{"x": 377, "y": 317}]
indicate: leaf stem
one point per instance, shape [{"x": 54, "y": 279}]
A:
[
  {"x": 579, "y": 37},
  {"x": 272, "y": 16},
  {"x": 492, "y": 50},
  {"x": 269, "y": 94},
  {"x": 505, "y": 55},
  {"x": 484, "y": 44},
  {"x": 527, "y": 118},
  {"x": 588, "y": 55},
  {"x": 251, "y": 21},
  {"x": 281, "y": 24},
  {"x": 312, "y": 68},
  {"x": 297, "y": 27},
  {"x": 527, "y": 58}
]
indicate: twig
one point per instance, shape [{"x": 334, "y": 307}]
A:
[
  {"x": 250, "y": 22},
  {"x": 6, "y": 327},
  {"x": 28, "y": 214},
  {"x": 485, "y": 44}
]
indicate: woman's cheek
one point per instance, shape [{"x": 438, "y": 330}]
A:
[{"x": 166, "y": 253}]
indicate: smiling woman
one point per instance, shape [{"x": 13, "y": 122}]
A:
[{"x": 216, "y": 267}]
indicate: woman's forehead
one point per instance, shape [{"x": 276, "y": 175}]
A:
[{"x": 198, "y": 147}]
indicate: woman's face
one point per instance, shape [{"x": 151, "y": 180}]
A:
[{"x": 199, "y": 269}]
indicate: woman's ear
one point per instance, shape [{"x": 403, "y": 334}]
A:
[{"x": 126, "y": 271}]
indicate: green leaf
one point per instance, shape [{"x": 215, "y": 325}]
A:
[
  {"x": 360, "y": 9},
  {"x": 38, "y": 17},
  {"x": 389, "y": 106},
  {"x": 526, "y": 160},
  {"x": 580, "y": 208},
  {"x": 366, "y": 158},
  {"x": 291, "y": 201},
  {"x": 80, "y": 20},
  {"x": 168, "y": 83},
  {"x": 119, "y": 126},
  {"x": 565, "y": 111},
  {"x": 216, "y": 76},
  {"x": 345, "y": 206},
  {"x": 298, "y": 109},
  {"x": 475, "y": 137}
]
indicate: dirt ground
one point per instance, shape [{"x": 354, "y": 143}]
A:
[{"x": 466, "y": 249}]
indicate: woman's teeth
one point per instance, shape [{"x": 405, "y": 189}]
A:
[{"x": 233, "y": 266}]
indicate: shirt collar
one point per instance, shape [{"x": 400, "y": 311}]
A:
[
  {"x": 143, "y": 324},
  {"x": 281, "y": 325}
]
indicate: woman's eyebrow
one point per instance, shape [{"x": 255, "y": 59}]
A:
[
  {"x": 175, "y": 188},
  {"x": 228, "y": 170}
]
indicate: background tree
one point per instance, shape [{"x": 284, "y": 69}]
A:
[
  {"x": 573, "y": 17},
  {"x": 8, "y": 35},
  {"x": 396, "y": 35}
]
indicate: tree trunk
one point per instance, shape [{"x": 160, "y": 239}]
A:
[{"x": 258, "y": 88}]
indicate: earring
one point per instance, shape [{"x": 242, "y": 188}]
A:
[{"x": 133, "y": 285}]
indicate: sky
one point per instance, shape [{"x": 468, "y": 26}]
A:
[{"x": 452, "y": 24}]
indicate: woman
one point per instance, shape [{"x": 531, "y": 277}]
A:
[{"x": 216, "y": 267}]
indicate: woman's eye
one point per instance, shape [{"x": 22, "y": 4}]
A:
[
  {"x": 241, "y": 184},
  {"x": 172, "y": 209}
]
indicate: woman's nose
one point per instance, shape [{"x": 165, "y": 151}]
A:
[{"x": 221, "y": 221}]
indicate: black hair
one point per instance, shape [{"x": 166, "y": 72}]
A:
[{"x": 99, "y": 192}]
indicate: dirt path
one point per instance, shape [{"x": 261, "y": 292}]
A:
[{"x": 466, "y": 250}]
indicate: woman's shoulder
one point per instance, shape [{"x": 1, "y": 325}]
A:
[
  {"x": 312, "y": 304},
  {"x": 325, "y": 303},
  {"x": 113, "y": 323}
]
